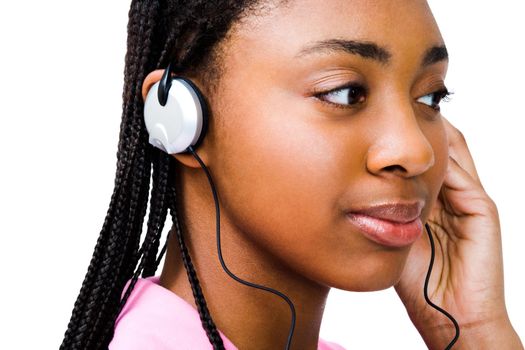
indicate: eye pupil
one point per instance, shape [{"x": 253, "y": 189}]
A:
[
  {"x": 438, "y": 97},
  {"x": 355, "y": 94},
  {"x": 343, "y": 97}
]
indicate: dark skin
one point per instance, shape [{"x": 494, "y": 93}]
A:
[{"x": 288, "y": 163}]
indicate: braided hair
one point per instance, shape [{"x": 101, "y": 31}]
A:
[{"x": 187, "y": 34}]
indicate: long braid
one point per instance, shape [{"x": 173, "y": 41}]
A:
[
  {"x": 120, "y": 234},
  {"x": 185, "y": 33},
  {"x": 158, "y": 213},
  {"x": 156, "y": 220}
]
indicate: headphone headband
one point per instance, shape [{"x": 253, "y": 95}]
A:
[{"x": 164, "y": 86}]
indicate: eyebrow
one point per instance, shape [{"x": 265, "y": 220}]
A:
[{"x": 369, "y": 50}]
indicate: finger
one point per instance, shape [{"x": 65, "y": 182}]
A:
[
  {"x": 464, "y": 195},
  {"x": 457, "y": 178},
  {"x": 459, "y": 150}
]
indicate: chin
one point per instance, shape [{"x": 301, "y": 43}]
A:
[{"x": 377, "y": 271}]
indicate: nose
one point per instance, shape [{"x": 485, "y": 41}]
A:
[{"x": 400, "y": 147}]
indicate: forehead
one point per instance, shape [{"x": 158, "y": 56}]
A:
[{"x": 405, "y": 27}]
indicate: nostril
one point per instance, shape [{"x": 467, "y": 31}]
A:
[{"x": 395, "y": 167}]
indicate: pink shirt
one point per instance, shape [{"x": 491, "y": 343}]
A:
[{"x": 155, "y": 318}]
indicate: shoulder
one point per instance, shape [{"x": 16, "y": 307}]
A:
[
  {"x": 129, "y": 338},
  {"x": 327, "y": 345},
  {"x": 157, "y": 319}
]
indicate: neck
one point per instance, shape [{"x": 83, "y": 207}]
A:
[{"x": 249, "y": 317}]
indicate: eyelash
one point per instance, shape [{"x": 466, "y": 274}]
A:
[
  {"x": 436, "y": 97},
  {"x": 441, "y": 95}
]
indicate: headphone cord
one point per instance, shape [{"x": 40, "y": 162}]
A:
[
  {"x": 219, "y": 251},
  {"x": 425, "y": 290}
]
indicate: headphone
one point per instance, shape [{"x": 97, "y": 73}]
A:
[{"x": 175, "y": 114}]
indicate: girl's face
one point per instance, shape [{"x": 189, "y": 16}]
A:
[{"x": 290, "y": 162}]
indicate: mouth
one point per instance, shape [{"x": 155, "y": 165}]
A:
[{"x": 392, "y": 225}]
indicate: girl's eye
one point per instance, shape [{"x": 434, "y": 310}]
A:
[
  {"x": 344, "y": 97},
  {"x": 433, "y": 99}
]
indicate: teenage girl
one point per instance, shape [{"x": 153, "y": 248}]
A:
[{"x": 330, "y": 164}]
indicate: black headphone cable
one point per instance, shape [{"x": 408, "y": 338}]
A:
[
  {"x": 425, "y": 290},
  {"x": 223, "y": 264}
]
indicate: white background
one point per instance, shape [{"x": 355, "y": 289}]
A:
[{"x": 61, "y": 77}]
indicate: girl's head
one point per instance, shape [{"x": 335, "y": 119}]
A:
[{"x": 317, "y": 108}]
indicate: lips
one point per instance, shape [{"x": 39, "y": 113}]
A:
[
  {"x": 392, "y": 225},
  {"x": 396, "y": 212}
]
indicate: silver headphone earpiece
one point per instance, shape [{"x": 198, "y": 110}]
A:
[{"x": 175, "y": 114}]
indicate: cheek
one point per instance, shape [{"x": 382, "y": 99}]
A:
[{"x": 277, "y": 172}]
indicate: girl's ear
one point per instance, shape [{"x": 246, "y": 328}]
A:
[
  {"x": 150, "y": 79},
  {"x": 186, "y": 159}
]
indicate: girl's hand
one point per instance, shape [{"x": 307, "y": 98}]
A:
[{"x": 467, "y": 277}]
